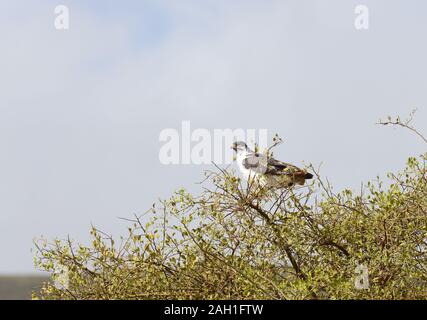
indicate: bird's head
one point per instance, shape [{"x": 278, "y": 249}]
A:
[{"x": 239, "y": 146}]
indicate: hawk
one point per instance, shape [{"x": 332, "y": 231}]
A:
[{"x": 267, "y": 171}]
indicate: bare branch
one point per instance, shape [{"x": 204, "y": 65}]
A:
[{"x": 404, "y": 124}]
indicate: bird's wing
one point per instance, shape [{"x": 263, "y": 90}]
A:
[
  {"x": 276, "y": 167},
  {"x": 256, "y": 162},
  {"x": 260, "y": 163}
]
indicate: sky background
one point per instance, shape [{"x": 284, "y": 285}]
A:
[{"x": 81, "y": 110}]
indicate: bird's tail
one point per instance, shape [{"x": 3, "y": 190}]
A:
[
  {"x": 308, "y": 176},
  {"x": 301, "y": 176}
]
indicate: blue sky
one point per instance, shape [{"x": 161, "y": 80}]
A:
[{"x": 81, "y": 110}]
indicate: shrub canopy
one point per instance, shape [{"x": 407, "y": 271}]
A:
[{"x": 238, "y": 241}]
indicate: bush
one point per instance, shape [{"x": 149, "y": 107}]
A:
[{"x": 237, "y": 241}]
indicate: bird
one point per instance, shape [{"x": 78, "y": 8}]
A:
[{"x": 267, "y": 171}]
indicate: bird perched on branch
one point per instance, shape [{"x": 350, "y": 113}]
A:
[{"x": 266, "y": 170}]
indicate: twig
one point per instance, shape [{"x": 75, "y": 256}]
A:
[{"x": 403, "y": 124}]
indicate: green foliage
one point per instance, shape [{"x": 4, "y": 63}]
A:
[{"x": 237, "y": 241}]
